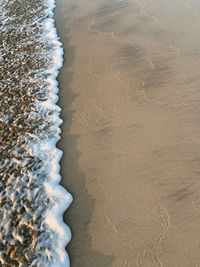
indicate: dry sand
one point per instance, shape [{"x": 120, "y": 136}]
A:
[{"x": 130, "y": 93}]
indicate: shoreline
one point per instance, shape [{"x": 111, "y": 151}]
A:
[{"x": 129, "y": 95}]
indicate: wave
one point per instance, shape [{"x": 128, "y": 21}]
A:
[{"x": 32, "y": 201}]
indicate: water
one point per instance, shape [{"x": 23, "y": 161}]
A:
[{"x": 32, "y": 232}]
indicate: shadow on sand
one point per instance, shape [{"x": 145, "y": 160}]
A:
[{"x": 79, "y": 214}]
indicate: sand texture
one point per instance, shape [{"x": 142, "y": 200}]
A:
[{"x": 130, "y": 93}]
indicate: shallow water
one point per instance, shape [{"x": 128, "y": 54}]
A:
[{"x": 31, "y": 229}]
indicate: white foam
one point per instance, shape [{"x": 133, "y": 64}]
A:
[
  {"x": 53, "y": 241},
  {"x": 59, "y": 197}
]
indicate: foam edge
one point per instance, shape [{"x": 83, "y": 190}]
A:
[{"x": 62, "y": 198}]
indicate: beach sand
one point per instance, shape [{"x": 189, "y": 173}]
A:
[{"x": 129, "y": 90}]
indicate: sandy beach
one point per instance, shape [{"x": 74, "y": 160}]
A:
[{"x": 129, "y": 90}]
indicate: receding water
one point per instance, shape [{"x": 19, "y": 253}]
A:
[{"x": 31, "y": 229}]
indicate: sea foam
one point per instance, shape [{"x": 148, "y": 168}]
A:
[
  {"x": 32, "y": 201},
  {"x": 61, "y": 198}
]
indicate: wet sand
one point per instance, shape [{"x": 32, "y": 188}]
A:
[{"x": 130, "y": 95}]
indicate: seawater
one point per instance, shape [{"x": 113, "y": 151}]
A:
[{"x": 32, "y": 232}]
